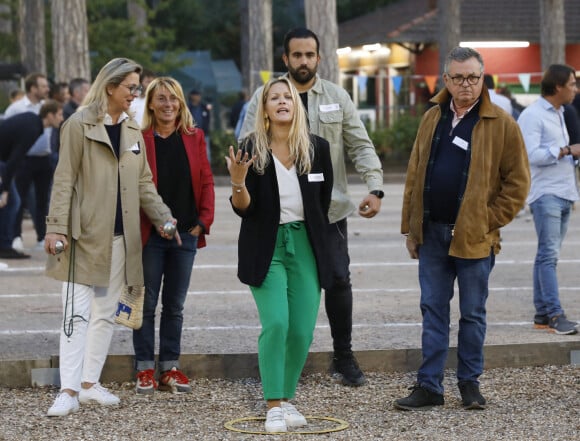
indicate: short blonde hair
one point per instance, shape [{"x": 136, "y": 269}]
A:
[
  {"x": 111, "y": 74},
  {"x": 184, "y": 122}
]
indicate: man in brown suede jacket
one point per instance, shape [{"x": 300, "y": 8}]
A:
[{"x": 468, "y": 176}]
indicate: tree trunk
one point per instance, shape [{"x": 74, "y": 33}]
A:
[
  {"x": 256, "y": 35},
  {"x": 449, "y": 30},
  {"x": 31, "y": 35},
  {"x": 137, "y": 12},
  {"x": 70, "y": 40},
  {"x": 321, "y": 19},
  {"x": 552, "y": 32}
]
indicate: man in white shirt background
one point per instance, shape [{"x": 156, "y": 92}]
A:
[{"x": 36, "y": 88}]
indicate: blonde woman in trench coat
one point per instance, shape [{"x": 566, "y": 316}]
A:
[{"x": 101, "y": 181}]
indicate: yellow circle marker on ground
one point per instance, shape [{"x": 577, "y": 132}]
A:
[{"x": 316, "y": 426}]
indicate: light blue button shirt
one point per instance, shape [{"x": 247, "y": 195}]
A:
[{"x": 544, "y": 132}]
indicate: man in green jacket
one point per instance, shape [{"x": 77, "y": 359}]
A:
[{"x": 468, "y": 176}]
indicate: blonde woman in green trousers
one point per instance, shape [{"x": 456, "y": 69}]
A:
[{"x": 281, "y": 186}]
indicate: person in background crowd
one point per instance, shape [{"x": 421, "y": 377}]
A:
[
  {"x": 15, "y": 95},
  {"x": 281, "y": 188},
  {"x": 59, "y": 92},
  {"x": 101, "y": 180},
  {"x": 139, "y": 103},
  {"x": 19, "y": 134},
  {"x": 177, "y": 158},
  {"x": 78, "y": 89},
  {"x": 36, "y": 172},
  {"x": 516, "y": 106},
  {"x": 467, "y": 177},
  {"x": 237, "y": 108},
  {"x": 333, "y": 116},
  {"x": 201, "y": 112},
  {"x": 554, "y": 189},
  {"x": 36, "y": 87},
  {"x": 496, "y": 98}
]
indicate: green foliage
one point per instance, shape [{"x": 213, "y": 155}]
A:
[
  {"x": 347, "y": 9},
  {"x": 394, "y": 143},
  {"x": 112, "y": 34},
  {"x": 220, "y": 144},
  {"x": 9, "y": 41}
]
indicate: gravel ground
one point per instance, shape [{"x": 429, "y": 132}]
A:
[{"x": 535, "y": 403}]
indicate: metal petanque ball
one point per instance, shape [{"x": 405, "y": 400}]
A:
[
  {"x": 169, "y": 229},
  {"x": 58, "y": 247}
]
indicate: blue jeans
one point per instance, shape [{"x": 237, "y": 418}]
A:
[
  {"x": 437, "y": 273},
  {"x": 8, "y": 214},
  {"x": 164, "y": 260},
  {"x": 338, "y": 299},
  {"x": 551, "y": 215}
]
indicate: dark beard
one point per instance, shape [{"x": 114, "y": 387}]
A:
[{"x": 301, "y": 77}]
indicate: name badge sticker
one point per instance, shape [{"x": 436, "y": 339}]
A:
[
  {"x": 461, "y": 143},
  {"x": 329, "y": 107},
  {"x": 315, "y": 177}
]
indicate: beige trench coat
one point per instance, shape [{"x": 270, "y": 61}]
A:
[{"x": 84, "y": 199}]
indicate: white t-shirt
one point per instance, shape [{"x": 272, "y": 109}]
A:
[{"x": 291, "y": 208}]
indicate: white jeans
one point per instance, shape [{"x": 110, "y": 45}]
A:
[{"x": 89, "y": 321}]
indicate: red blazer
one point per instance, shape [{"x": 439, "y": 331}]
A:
[{"x": 201, "y": 180}]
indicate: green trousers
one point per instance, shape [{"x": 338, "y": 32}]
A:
[{"x": 288, "y": 303}]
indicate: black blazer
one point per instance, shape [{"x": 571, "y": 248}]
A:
[{"x": 261, "y": 219}]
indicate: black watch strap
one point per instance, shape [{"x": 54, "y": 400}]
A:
[{"x": 378, "y": 193}]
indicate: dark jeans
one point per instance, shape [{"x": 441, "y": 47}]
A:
[
  {"x": 35, "y": 170},
  {"x": 8, "y": 214},
  {"x": 164, "y": 260},
  {"x": 338, "y": 299},
  {"x": 437, "y": 274}
]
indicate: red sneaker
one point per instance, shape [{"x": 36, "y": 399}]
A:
[
  {"x": 174, "y": 381},
  {"x": 146, "y": 383}
]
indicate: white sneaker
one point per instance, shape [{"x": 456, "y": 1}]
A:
[
  {"x": 275, "y": 420},
  {"x": 292, "y": 417},
  {"x": 17, "y": 244},
  {"x": 63, "y": 405},
  {"x": 39, "y": 246},
  {"x": 99, "y": 394}
]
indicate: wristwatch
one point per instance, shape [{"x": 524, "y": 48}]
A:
[{"x": 378, "y": 193}]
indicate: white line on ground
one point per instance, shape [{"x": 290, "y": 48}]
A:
[{"x": 9, "y": 332}]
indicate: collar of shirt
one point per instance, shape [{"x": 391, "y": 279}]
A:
[
  {"x": 457, "y": 118},
  {"x": 108, "y": 120}
]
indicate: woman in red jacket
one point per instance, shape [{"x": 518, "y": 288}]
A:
[{"x": 176, "y": 153}]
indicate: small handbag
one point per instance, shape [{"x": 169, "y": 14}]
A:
[{"x": 130, "y": 307}]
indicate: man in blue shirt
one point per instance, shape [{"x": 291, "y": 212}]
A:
[{"x": 553, "y": 189}]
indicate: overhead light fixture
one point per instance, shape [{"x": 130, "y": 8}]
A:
[
  {"x": 495, "y": 44},
  {"x": 371, "y": 47},
  {"x": 343, "y": 50}
]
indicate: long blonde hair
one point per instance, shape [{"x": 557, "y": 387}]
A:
[
  {"x": 299, "y": 143},
  {"x": 111, "y": 74},
  {"x": 184, "y": 121}
]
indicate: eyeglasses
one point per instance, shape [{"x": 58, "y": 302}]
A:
[
  {"x": 134, "y": 90},
  {"x": 458, "y": 80}
]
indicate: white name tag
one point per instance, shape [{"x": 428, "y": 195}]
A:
[
  {"x": 329, "y": 107},
  {"x": 315, "y": 177},
  {"x": 461, "y": 143}
]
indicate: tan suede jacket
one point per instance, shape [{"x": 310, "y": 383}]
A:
[{"x": 497, "y": 185}]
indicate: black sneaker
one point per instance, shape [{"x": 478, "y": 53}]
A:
[
  {"x": 471, "y": 398},
  {"x": 11, "y": 253},
  {"x": 561, "y": 325},
  {"x": 345, "y": 369},
  {"x": 541, "y": 321},
  {"x": 419, "y": 399}
]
